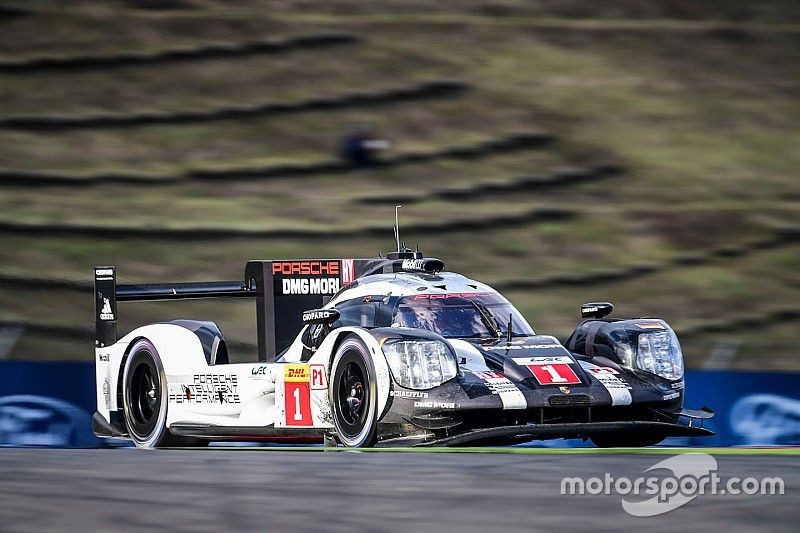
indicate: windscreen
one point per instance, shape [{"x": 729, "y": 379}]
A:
[{"x": 464, "y": 315}]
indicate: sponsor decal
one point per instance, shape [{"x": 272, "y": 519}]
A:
[
  {"x": 435, "y": 405},
  {"x": 208, "y": 388},
  {"x": 319, "y": 377},
  {"x": 500, "y": 385},
  {"x": 306, "y": 268},
  {"x": 650, "y": 325},
  {"x": 543, "y": 360},
  {"x": 310, "y": 286},
  {"x": 602, "y": 370},
  {"x": 413, "y": 264},
  {"x": 106, "y": 313},
  {"x": 671, "y": 396},
  {"x": 103, "y": 273},
  {"x": 523, "y": 347},
  {"x": 678, "y": 385},
  {"x": 450, "y": 295},
  {"x": 488, "y": 374},
  {"x": 103, "y": 357},
  {"x": 296, "y": 373},
  {"x": 408, "y": 394},
  {"x": 319, "y": 314},
  {"x": 107, "y": 393},
  {"x": 564, "y": 390},
  {"x": 259, "y": 371},
  {"x": 609, "y": 378},
  {"x": 297, "y": 394},
  {"x": 348, "y": 271}
]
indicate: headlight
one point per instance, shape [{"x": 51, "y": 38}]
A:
[
  {"x": 420, "y": 364},
  {"x": 660, "y": 353}
]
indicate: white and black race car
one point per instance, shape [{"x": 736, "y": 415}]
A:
[{"x": 386, "y": 351}]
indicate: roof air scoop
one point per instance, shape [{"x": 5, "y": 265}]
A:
[
  {"x": 429, "y": 265},
  {"x": 596, "y": 309}
]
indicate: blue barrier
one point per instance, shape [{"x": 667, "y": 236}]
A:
[
  {"x": 47, "y": 404},
  {"x": 50, "y": 404},
  {"x": 752, "y": 408}
]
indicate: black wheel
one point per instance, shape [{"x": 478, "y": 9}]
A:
[
  {"x": 145, "y": 399},
  {"x": 626, "y": 439},
  {"x": 354, "y": 394}
]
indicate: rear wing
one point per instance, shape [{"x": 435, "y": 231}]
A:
[
  {"x": 283, "y": 289},
  {"x": 107, "y": 293}
]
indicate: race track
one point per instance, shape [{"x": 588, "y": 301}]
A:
[{"x": 254, "y": 490}]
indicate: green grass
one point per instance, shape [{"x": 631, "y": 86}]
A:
[{"x": 791, "y": 452}]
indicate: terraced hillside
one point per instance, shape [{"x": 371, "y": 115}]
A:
[{"x": 644, "y": 153}]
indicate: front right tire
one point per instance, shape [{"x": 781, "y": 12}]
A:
[{"x": 354, "y": 394}]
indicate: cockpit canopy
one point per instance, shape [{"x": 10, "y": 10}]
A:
[{"x": 455, "y": 315}]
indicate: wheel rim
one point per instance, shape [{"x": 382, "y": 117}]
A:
[
  {"x": 353, "y": 399},
  {"x": 145, "y": 395},
  {"x": 144, "y": 399}
]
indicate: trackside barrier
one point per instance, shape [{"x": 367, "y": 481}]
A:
[{"x": 50, "y": 404}]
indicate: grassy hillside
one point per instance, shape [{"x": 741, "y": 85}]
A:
[{"x": 641, "y": 152}]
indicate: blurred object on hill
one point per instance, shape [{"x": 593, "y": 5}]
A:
[{"x": 361, "y": 147}]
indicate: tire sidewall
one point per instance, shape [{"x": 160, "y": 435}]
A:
[
  {"x": 144, "y": 352},
  {"x": 353, "y": 350}
]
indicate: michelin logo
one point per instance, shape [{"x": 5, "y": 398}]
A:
[
  {"x": 310, "y": 286},
  {"x": 413, "y": 264}
]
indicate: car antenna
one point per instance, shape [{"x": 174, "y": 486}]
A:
[
  {"x": 397, "y": 226},
  {"x": 509, "y": 332}
]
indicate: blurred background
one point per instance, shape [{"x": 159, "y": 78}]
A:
[{"x": 643, "y": 152}]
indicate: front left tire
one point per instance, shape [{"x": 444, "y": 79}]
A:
[{"x": 354, "y": 394}]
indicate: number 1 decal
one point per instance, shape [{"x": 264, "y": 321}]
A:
[
  {"x": 297, "y": 413},
  {"x": 297, "y": 395},
  {"x": 555, "y": 377},
  {"x": 554, "y": 374}
]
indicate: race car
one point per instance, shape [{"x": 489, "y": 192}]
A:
[{"x": 390, "y": 351}]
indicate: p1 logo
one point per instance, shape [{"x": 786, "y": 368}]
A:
[
  {"x": 319, "y": 377},
  {"x": 297, "y": 395}
]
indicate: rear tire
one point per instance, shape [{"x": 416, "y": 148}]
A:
[
  {"x": 354, "y": 394},
  {"x": 626, "y": 439},
  {"x": 144, "y": 397}
]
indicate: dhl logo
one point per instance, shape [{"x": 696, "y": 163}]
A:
[{"x": 297, "y": 373}]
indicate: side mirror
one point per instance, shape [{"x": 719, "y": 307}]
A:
[
  {"x": 596, "y": 309},
  {"x": 320, "y": 316}
]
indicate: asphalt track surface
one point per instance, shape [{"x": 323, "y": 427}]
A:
[{"x": 251, "y": 490}]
